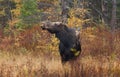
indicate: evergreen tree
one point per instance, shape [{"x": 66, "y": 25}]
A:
[{"x": 29, "y": 13}]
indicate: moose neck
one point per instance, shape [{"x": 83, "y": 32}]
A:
[{"x": 66, "y": 37}]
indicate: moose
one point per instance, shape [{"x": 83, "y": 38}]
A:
[{"x": 69, "y": 46}]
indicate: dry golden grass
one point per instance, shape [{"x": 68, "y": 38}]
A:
[
  {"x": 29, "y": 66},
  {"x": 99, "y": 57}
]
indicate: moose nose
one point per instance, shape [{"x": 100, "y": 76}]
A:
[{"x": 43, "y": 27}]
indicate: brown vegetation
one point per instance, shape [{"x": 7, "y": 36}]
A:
[{"x": 32, "y": 53}]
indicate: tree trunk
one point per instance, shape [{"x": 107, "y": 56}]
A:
[
  {"x": 65, "y": 11},
  {"x": 113, "y": 24},
  {"x": 104, "y": 5},
  {"x": 65, "y": 6},
  {"x": 113, "y": 19}
]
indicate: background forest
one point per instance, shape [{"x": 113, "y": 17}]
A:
[{"x": 27, "y": 51}]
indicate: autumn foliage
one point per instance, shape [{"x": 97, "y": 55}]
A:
[{"x": 28, "y": 51}]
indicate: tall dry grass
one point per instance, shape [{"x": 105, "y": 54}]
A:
[
  {"x": 30, "y": 55},
  {"x": 29, "y": 66}
]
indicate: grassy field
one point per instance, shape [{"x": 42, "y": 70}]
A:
[
  {"x": 29, "y": 66},
  {"x": 99, "y": 58}
]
